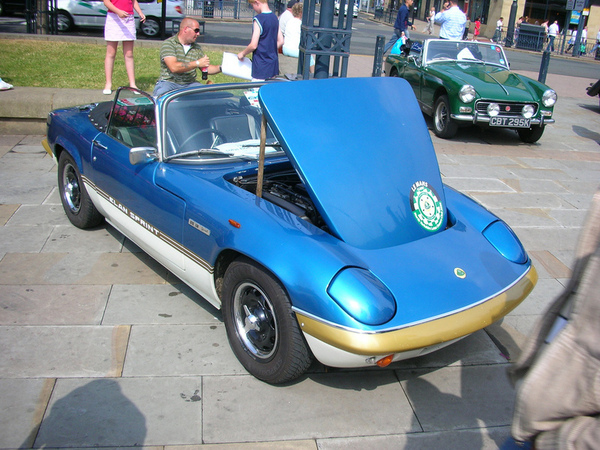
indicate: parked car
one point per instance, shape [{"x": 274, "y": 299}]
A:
[
  {"x": 336, "y": 8},
  {"x": 92, "y": 14},
  {"x": 315, "y": 239},
  {"x": 8, "y": 7},
  {"x": 468, "y": 83}
]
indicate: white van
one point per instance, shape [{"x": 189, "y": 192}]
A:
[{"x": 92, "y": 14}]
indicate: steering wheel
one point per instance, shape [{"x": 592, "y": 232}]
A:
[
  {"x": 218, "y": 135},
  {"x": 444, "y": 55}
]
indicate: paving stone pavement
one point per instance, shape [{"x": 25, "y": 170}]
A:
[{"x": 102, "y": 347}]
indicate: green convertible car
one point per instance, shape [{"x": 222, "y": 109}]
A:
[{"x": 469, "y": 82}]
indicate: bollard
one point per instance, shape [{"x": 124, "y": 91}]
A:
[
  {"x": 378, "y": 58},
  {"x": 544, "y": 66}
]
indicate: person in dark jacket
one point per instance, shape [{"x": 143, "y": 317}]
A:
[{"x": 401, "y": 25}]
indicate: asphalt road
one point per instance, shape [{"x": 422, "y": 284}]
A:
[{"x": 364, "y": 38}]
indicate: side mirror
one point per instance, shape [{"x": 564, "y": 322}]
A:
[{"x": 142, "y": 155}]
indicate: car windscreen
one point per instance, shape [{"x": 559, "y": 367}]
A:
[
  {"x": 207, "y": 125},
  {"x": 444, "y": 50}
]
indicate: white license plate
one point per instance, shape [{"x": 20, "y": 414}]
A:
[{"x": 513, "y": 122}]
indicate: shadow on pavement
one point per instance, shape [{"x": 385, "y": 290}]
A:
[
  {"x": 97, "y": 413},
  {"x": 585, "y": 133}
]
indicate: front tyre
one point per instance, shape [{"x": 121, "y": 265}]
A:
[
  {"x": 261, "y": 327},
  {"x": 74, "y": 197},
  {"x": 64, "y": 21},
  {"x": 531, "y": 135},
  {"x": 443, "y": 125},
  {"x": 150, "y": 27}
]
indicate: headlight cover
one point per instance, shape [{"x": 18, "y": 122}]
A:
[
  {"x": 528, "y": 111},
  {"x": 493, "y": 109},
  {"x": 362, "y": 296},
  {"x": 549, "y": 98},
  {"x": 467, "y": 93},
  {"x": 505, "y": 241}
]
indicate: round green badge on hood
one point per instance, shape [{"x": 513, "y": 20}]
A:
[{"x": 426, "y": 206}]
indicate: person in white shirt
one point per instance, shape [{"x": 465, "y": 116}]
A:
[
  {"x": 498, "y": 33},
  {"x": 286, "y": 16},
  {"x": 572, "y": 40},
  {"x": 430, "y": 20},
  {"x": 291, "y": 38},
  {"x": 293, "y": 28},
  {"x": 552, "y": 33},
  {"x": 582, "y": 41},
  {"x": 597, "y": 44},
  {"x": 452, "y": 21}
]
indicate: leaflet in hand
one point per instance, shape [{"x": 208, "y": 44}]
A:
[{"x": 232, "y": 66}]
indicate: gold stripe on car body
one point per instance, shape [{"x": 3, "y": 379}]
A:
[
  {"x": 149, "y": 227},
  {"x": 46, "y": 146},
  {"x": 423, "y": 334}
]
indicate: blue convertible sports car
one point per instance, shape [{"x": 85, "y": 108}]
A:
[{"x": 296, "y": 208}]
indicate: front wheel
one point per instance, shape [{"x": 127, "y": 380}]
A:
[
  {"x": 261, "y": 327},
  {"x": 443, "y": 125},
  {"x": 74, "y": 197},
  {"x": 531, "y": 135},
  {"x": 150, "y": 27},
  {"x": 64, "y": 21}
]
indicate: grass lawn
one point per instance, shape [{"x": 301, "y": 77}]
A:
[{"x": 81, "y": 66}]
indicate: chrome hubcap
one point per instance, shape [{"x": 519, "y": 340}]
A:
[
  {"x": 71, "y": 190},
  {"x": 441, "y": 117},
  {"x": 255, "y": 321}
]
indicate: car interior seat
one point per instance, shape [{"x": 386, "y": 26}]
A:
[{"x": 235, "y": 127}]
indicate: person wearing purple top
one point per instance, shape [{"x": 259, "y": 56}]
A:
[{"x": 265, "y": 42}]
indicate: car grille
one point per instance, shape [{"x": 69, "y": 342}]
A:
[{"x": 507, "y": 109}]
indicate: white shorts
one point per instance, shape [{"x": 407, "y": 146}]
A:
[{"x": 117, "y": 29}]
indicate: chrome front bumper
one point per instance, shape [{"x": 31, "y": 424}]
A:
[{"x": 475, "y": 118}]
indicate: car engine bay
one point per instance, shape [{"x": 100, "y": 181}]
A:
[{"x": 285, "y": 189}]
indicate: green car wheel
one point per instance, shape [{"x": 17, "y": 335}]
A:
[
  {"x": 531, "y": 135},
  {"x": 443, "y": 125}
]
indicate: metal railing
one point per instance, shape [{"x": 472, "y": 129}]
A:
[
  {"x": 386, "y": 15},
  {"x": 559, "y": 48},
  {"x": 219, "y": 9},
  {"x": 41, "y": 21}
]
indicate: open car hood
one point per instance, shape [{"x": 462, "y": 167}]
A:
[{"x": 363, "y": 150}]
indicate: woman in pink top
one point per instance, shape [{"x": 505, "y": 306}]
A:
[
  {"x": 477, "y": 28},
  {"x": 120, "y": 26}
]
